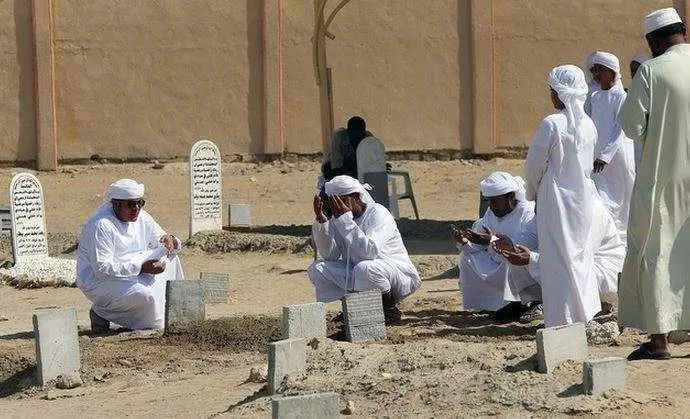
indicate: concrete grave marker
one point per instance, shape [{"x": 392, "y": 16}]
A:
[
  {"x": 304, "y": 321},
  {"x": 205, "y": 188},
  {"x": 285, "y": 357},
  {"x": 28, "y": 221},
  {"x": 184, "y": 304},
  {"x": 363, "y": 317},
  {"x": 371, "y": 157},
  {"x": 57, "y": 344},
  {"x": 240, "y": 215},
  {"x": 307, "y": 406},
  {"x": 558, "y": 344},
  {"x": 216, "y": 287},
  {"x": 603, "y": 374}
]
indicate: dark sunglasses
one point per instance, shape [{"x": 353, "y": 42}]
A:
[{"x": 133, "y": 205}]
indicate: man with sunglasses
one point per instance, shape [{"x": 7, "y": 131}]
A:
[{"x": 124, "y": 260}]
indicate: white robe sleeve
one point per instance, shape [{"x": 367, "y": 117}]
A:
[
  {"x": 363, "y": 246},
  {"x": 326, "y": 246},
  {"x": 528, "y": 235},
  {"x": 538, "y": 157},
  {"x": 617, "y": 136},
  {"x": 105, "y": 263},
  {"x": 634, "y": 113}
]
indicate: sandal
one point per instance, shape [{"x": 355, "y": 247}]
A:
[{"x": 645, "y": 351}]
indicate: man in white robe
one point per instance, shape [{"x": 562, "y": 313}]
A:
[
  {"x": 361, "y": 248},
  {"x": 558, "y": 167},
  {"x": 614, "y": 153},
  {"x": 124, "y": 261},
  {"x": 655, "y": 285},
  {"x": 635, "y": 64},
  {"x": 488, "y": 282}
]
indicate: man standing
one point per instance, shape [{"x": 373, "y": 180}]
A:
[
  {"x": 654, "y": 288},
  {"x": 614, "y": 153},
  {"x": 124, "y": 260},
  {"x": 558, "y": 167},
  {"x": 487, "y": 280},
  {"x": 361, "y": 248}
]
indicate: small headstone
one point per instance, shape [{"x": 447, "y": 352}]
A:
[
  {"x": 184, "y": 304},
  {"x": 363, "y": 317},
  {"x": 216, "y": 287},
  {"x": 57, "y": 344},
  {"x": 558, "y": 344},
  {"x": 371, "y": 157},
  {"x": 240, "y": 215},
  {"x": 603, "y": 374},
  {"x": 205, "y": 188},
  {"x": 285, "y": 357},
  {"x": 304, "y": 321},
  {"x": 307, "y": 406},
  {"x": 5, "y": 221},
  {"x": 28, "y": 221}
]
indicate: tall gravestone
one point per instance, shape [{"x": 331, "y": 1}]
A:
[
  {"x": 371, "y": 169},
  {"x": 28, "y": 220},
  {"x": 205, "y": 188}
]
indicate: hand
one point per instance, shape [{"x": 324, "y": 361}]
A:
[
  {"x": 483, "y": 239},
  {"x": 456, "y": 233},
  {"x": 338, "y": 206},
  {"x": 169, "y": 242},
  {"x": 504, "y": 243},
  {"x": 599, "y": 165},
  {"x": 152, "y": 267},
  {"x": 318, "y": 210},
  {"x": 519, "y": 257}
]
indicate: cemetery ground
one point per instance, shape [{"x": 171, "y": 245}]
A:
[{"x": 440, "y": 361}]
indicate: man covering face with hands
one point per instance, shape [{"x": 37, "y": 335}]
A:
[{"x": 360, "y": 247}]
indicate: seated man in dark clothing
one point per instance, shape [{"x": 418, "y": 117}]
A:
[{"x": 342, "y": 159}]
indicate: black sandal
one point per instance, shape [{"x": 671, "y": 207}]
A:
[{"x": 645, "y": 351}]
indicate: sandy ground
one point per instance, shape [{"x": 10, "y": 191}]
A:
[{"x": 440, "y": 361}]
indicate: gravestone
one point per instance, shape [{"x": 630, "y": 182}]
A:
[
  {"x": 603, "y": 374},
  {"x": 561, "y": 343},
  {"x": 304, "y": 321},
  {"x": 363, "y": 317},
  {"x": 371, "y": 157},
  {"x": 285, "y": 357},
  {"x": 240, "y": 215},
  {"x": 205, "y": 188},
  {"x": 57, "y": 344},
  {"x": 28, "y": 221},
  {"x": 5, "y": 221},
  {"x": 307, "y": 406},
  {"x": 216, "y": 287},
  {"x": 184, "y": 304}
]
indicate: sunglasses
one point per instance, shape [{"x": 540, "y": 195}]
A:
[{"x": 133, "y": 205}]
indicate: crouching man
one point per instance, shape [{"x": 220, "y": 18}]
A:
[
  {"x": 361, "y": 248},
  {"x": 124, "y": 261}
]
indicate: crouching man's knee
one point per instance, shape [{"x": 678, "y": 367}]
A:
[
  {"x": 315, "y": 270},
  {"x": 370, "y": 274}
]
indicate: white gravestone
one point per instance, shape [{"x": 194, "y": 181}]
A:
[
  {"x": 371, "y": 158},
  {"x": 29, "y": 241},
  {"x": 28, "y": 222},
  {"x": 205, "y": 188}
]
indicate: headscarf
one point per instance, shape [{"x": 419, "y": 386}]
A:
[
  {"x": 660, "y": 18},
  {"x": 592, "y": 85},
  {"x": 125, "y": 189},
  {"x": 569, "y": 83},
  {"x": 346, "y": 185},
  {"x": 640, "y": 58},
  {"x": 501, "y": 183},
  {"x": 609, "y": 61}
]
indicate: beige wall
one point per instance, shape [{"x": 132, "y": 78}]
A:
[
  {"x": 532, "y": 37},
  {"x": 17, "y": 117},
  {"x": 147, "y": 78}
]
